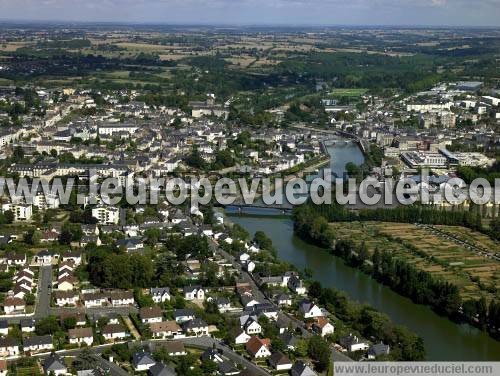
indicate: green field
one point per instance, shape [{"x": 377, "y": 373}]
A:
[
  {"x": 347, "y": 92},
  {"x": 428, "y": 251}
]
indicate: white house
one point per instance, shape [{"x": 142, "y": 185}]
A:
[
  {"x": 280, "y": 362},
  {"x": 198, "y": 327},
  {"x": 38, "y": 343},
  {"x": 258, "y": 348},
  {"x": 241, "y": 337},
  {"x": 309, "y": 310},
  {"x": 8, "y": 347},
  {"x": 252, "y": 327},
  {"x": 114, "y": 331},
  {"x": 142, "y": 361},
  {"x": 322, "y": 326},
  {"x": 183, "y": 315},
  {"x": 94, "y": 300},
  {"x": 194, "y": 292},
  {"x": 296, "y": 285},
  {"x": 160, "y": 294},
  {"x": 353, "y": 343},
  {"x": 165, "y": 329},
  {"x": 27, "y": 325},
  {"x": 13, "y": 305},
  {"x": 150, "y": 315},
  {"x": 81, "y": 336},
  {"x": 121, "y": 298}
]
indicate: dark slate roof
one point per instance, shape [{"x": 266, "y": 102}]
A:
[
  {"x": 53, "y": 363},
  {"x": 160, "y": 369},
  {"x": 142, "y": 357},
  {"x": 37, "y": 340}
]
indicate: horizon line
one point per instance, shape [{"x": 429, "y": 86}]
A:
[{"x": 239, "y": 25}]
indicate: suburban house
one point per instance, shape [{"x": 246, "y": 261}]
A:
[
  {"x": 160, "y": 294},
  {"x": 142, "y": 361},
  {"x": 114, "y": 331},
  {"x": 55, "y": 365},
  {"x": 9, "y": 347},
  {"x": 81, "y": 335},
  {"x": 64, "y": 298},
  {"x": 302, "y": 369},
  {"x": 322, "y": 326},
  {"x": 174, "y": 348},
  {"x": 38, "y": 343},
  {"x": 121, "y": 298},
  {"x": 228, "y": 368},
  {"x": 16, "y": 259},
  {"x": 258, "y": 348},
  {"x": 240, "y": 336},
  {"x": 66, "y": 266},
  {"x": 183, "y": 315},
  {"x": 44, "y": 257},
  {"x": 160, "y": 369},
  {"x": 289, "y": 340},
  {"x": 151, "y": 314},
  {"x": 309, "y": 310},
  {"x": 280, "y": 362},
  {"x": 66, "y": 283},
  {"x": 296, "y": 285},
  {"x": 252, "y": 326},
  {"x": 4, "y": 327},
  {"x": 27, "y": 325},
  {"x": 13, "y": 305},
  {"x": 94, "y": 299},
  {"x": 353, "y": 343},
  {"x": 80, "y": 318},
  {"x": 134, "y": 244},
  {"x": 72, "y": 257},
  {"x": 165, "y": 329},
  {"x": 377, "y": 350},
  {"x": 223, "y": 304},
  {"x": 194, "y": 292},
  {"x": 197, "y": 327},
  {"x": 211, "y": 355},
  {"x": 283, "y": 300}
]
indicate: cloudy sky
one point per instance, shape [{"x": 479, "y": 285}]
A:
[{"x": 309, "y": 12}]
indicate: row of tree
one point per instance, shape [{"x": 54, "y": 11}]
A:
[
  {"x": 420, "y": 286},
  {"x": 402, "y": 214},
  {"x": 405, "y": 345}
]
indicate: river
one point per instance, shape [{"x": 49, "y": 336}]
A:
[{"x": 444, "y": 340}]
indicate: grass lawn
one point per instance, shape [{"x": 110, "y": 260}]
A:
[{"x": 347, "y": 92}]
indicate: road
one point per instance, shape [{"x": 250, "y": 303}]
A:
[
  {"x": 42, "y": 304},
  {"x": 42, "y": 308},
  {"x": 200, "y": 342},
  {"x": 261, "y": 297}
]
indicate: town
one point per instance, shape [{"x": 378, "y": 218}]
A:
[{"x": 91, "y": 288}]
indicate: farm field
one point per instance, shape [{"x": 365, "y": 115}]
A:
[{"x": 473, "y": 273}]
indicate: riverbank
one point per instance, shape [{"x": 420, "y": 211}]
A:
[
  {"x": 347, "y": 316},
  {"x": 443, "y": 339}
]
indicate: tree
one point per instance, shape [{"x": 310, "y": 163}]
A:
[
  {"x": 47, "y": 325},
  {"x": 262, "y": 240},
  {"x": 319, "y": 350},
  {"x": 32, "y": 236},
  {"x": 85, "y": 360},
  {"x": 18, "y": 154},
  {"x": 29, "y": 299}
]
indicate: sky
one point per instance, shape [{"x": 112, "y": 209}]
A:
[{"x": 260, "y": 12}]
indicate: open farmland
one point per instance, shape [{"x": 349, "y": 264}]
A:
[{"x": 428, "y": 250}]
